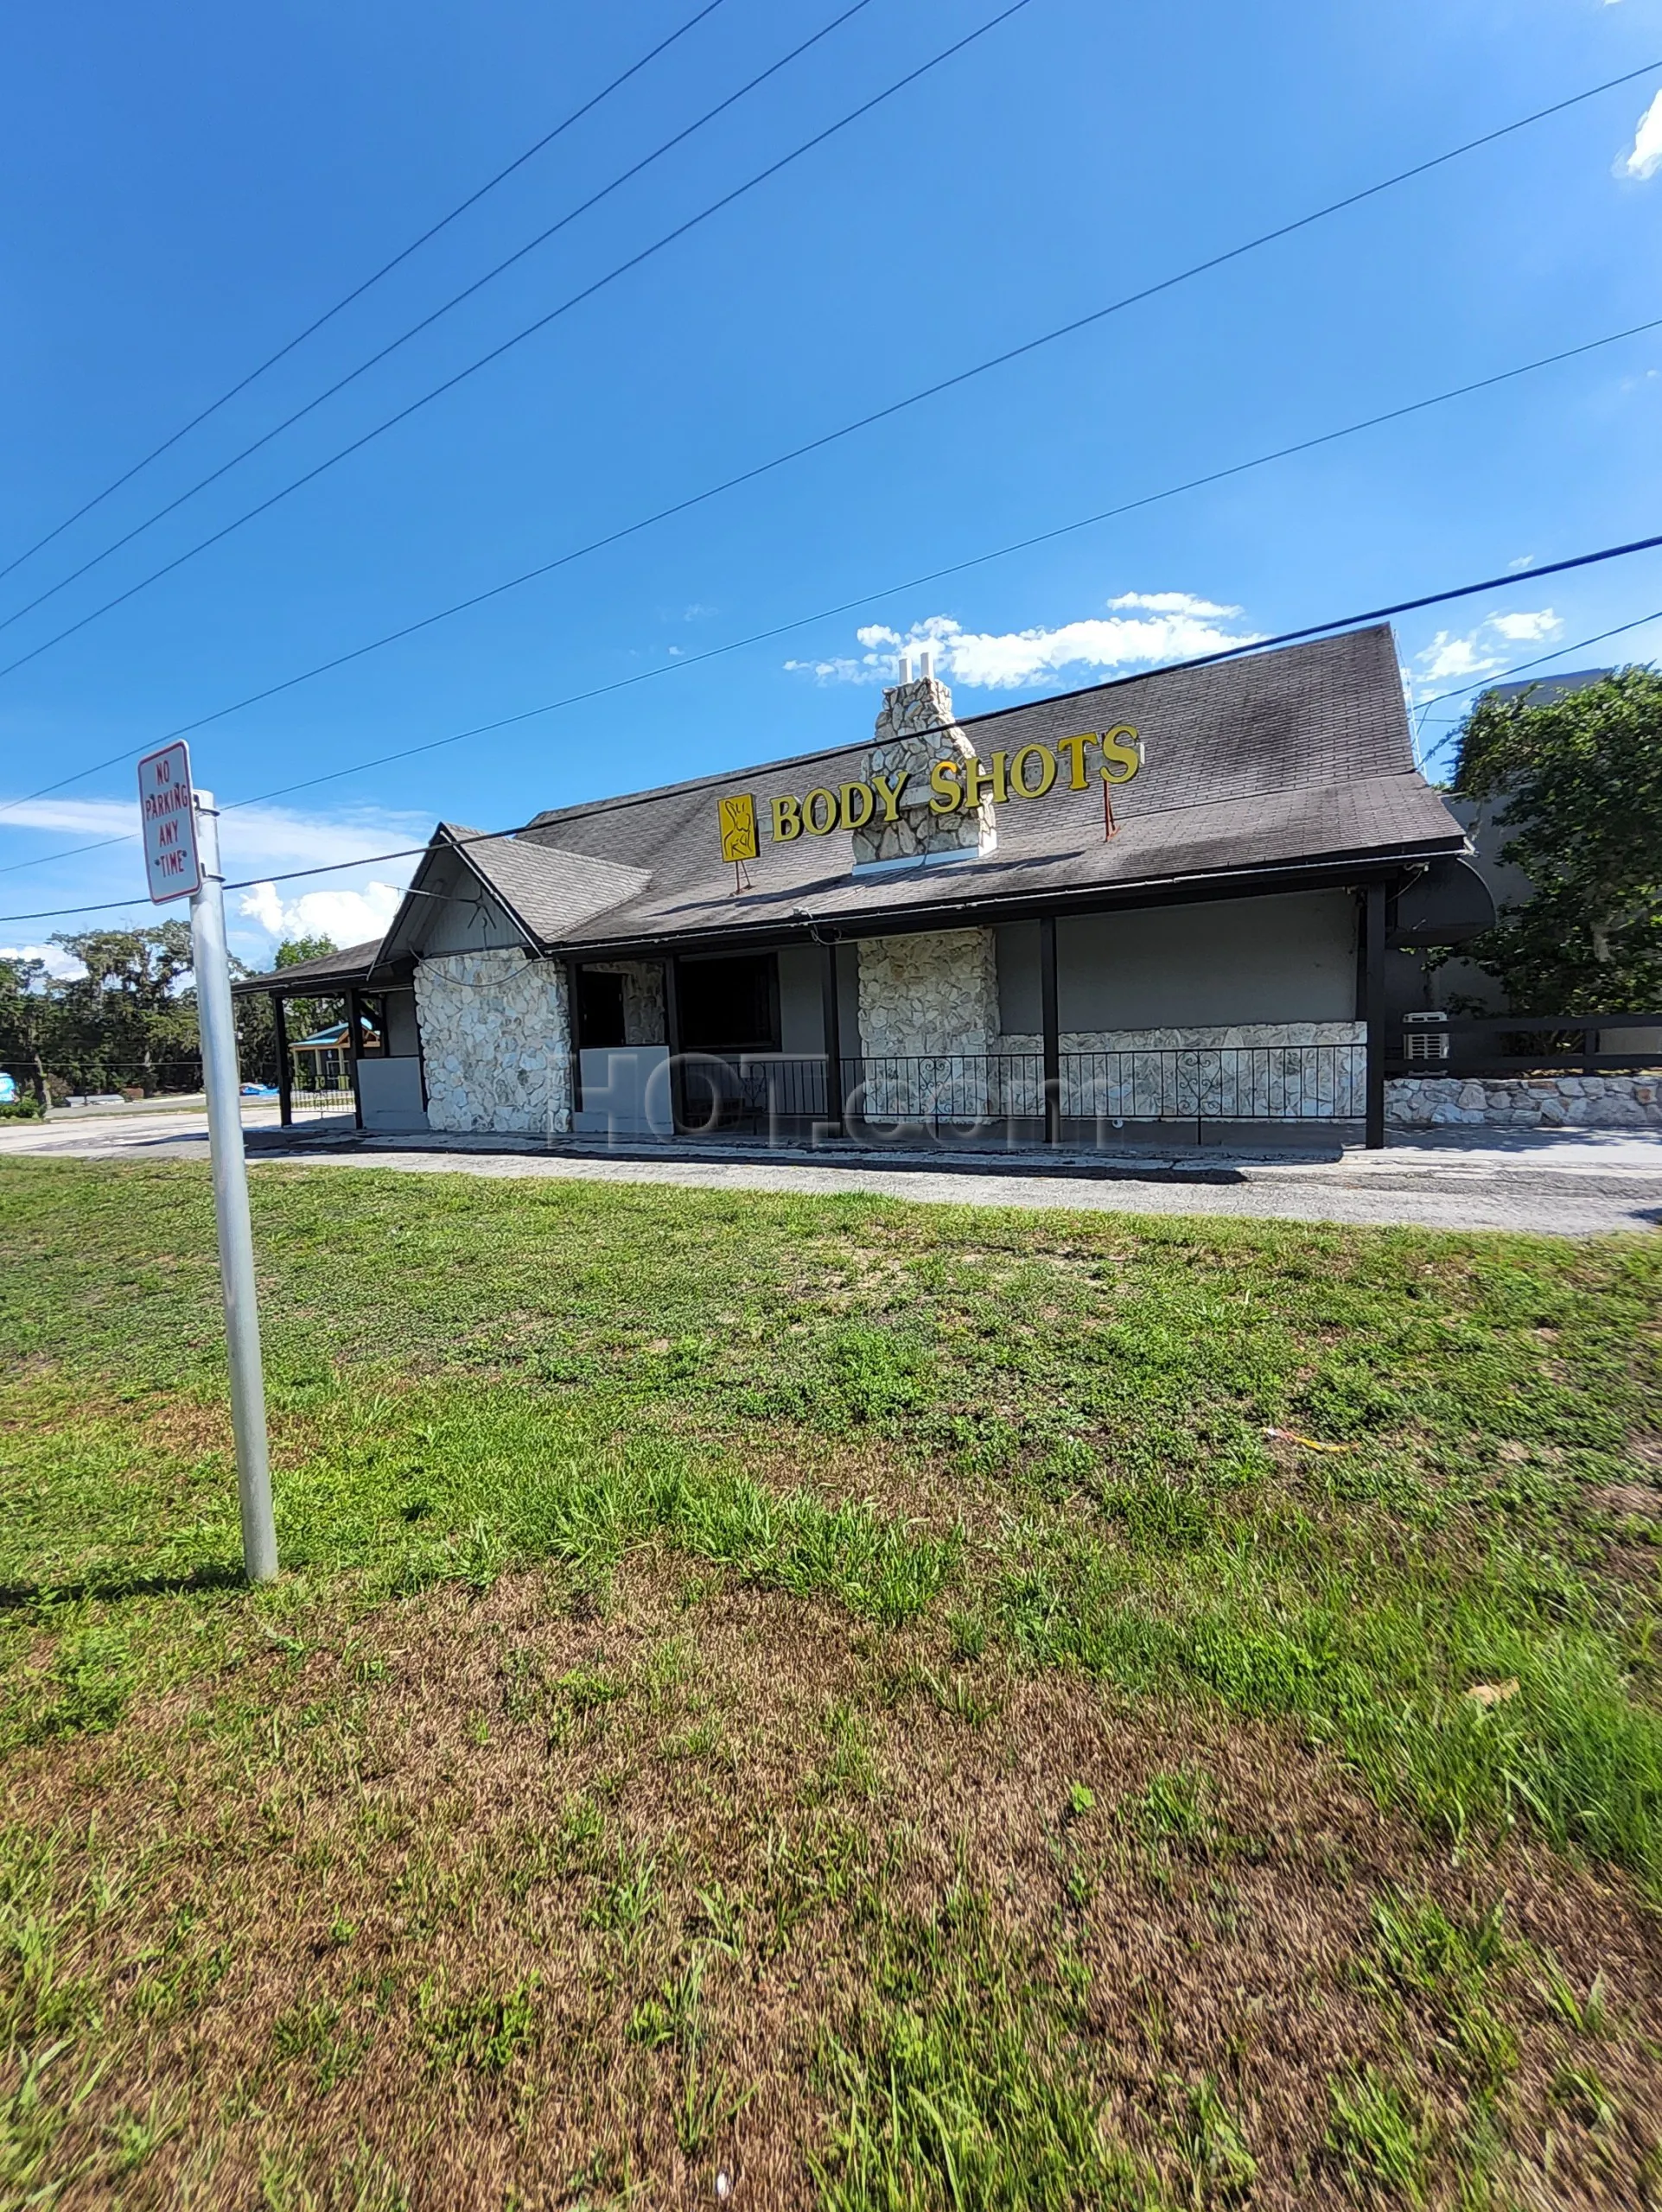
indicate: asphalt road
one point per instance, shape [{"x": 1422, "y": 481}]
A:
[{"x": 1560, "y": 1182}]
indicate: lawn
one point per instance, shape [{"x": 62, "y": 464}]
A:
[{"x": 825, "y": 1703}]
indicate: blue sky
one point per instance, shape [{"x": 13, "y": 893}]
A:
[{"x": 187, "y": 186}]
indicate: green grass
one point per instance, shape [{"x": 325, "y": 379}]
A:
[
  {"x": 471, "y": 1376},
  {"x": 960, "y": 2087},
  {"x": 1000, "y": 1450}
]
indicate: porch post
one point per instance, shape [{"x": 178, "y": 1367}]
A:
[
  {"x": 836, "y": 1103},
  {"x": 352, "y": 1048},
  {"x": 574, "y": 1026},
  {"x": 1051, "y": 1018},
  {"x": 1373, "y": 1011},
  {"x": 672, "y": 1039},
  {"x": 285, "y": 1065}
]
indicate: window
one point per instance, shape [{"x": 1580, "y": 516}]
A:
[
  {"x": 372, "y": 1028},
  {"x": 730, "y": 1005},
  {"x": 600, "y": 1009}
]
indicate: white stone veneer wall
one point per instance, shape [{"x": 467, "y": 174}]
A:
[
  {"x": 914, "y": 729},
  {"x": 495, "y": 1042},
  {"x": 934, "y": 992},
  {"x": 1553, "y": 1102},
  {"x": 1270, "y": 1073}
]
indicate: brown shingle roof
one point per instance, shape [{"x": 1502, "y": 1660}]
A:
[
  {"x": 1299, "y": 758},
  {"x": 350, "y": 965}
]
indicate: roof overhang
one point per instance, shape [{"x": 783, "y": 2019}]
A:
[
  {"x": 967, "y": 909},
  {"x": 312, "y": 979}
]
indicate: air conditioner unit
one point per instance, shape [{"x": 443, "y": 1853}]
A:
[{"x": 1425, "y": 1036}]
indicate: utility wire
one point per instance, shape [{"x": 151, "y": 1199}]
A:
[
  {"x": 937, "y": 576},
  {"x": 1505, "y": 674},
  {"x": 831, "y": 437},
  {"x": 357, "y": 290},
  {"x": 427, "y": 321},
  {"x": 519, "y": 336},
  {"x": 1251, "y": 645}
]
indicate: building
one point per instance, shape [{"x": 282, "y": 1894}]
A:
[
  {"x": 1168, "y": 904},
  {"x": 323, "y": 1060}
]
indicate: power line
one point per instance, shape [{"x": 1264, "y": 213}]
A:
[
  {"x": 849, "y": 429},
  {"x": 427, "y": 320},
  {"x": 937, "y": 576},
  {"x": 1505, "y": 674},
  {"x": 357, "y": 290},
  {"x": 507, "y": 345},
  {"x": 759, "y": 637},
  {"x": 1253, "y": 646}
]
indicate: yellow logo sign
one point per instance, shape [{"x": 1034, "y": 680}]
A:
[
  {"x": 960, "y": 785},
  {"x": 737, "y": 816}
]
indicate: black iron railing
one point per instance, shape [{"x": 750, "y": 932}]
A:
[{"x": 1002, "y": 1095}]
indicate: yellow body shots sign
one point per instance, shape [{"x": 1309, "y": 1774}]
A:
[{"x": 956, "y": 785}]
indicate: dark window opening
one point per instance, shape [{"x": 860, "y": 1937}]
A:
[
  {"x": 372, "y": 1028},
  {"x": 600, "y": 1009},
  {"x": 729, "y": 1006}
]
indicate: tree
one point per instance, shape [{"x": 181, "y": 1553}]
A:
[
  {"x": 307, "y": 1015},
  {"x": 132, "y": 1016},
  {"x": 27, "y": 1019},
  {"x": 1579, "y": 780},
  {"x": 295, "y": 949},
  {"x": 255, "y": 1027}
]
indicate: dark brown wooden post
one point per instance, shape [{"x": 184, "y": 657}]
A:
[
  {"x": 1373, "y": 1012},
  {"x": 285, "y": 1065},
  {"x": 836, "y": 1103},
  {"x": 1050, "y": 1016},
  {"x": 352, "y": 1048},
  {"x": 672, "y": 1039},
  {"x": 574, "y": 1030}
]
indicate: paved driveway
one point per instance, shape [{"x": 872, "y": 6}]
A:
[{"x": 1559, "y": 1182}]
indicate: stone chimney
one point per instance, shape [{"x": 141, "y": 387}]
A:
[{"x": 915, "y": 730}]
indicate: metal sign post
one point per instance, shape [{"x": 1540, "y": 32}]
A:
[{"x": 181, "y": 853}]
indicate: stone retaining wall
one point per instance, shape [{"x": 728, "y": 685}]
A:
[
  {"x": 1545, "y": 1102},
  {"x": 495, "y": 1041}
]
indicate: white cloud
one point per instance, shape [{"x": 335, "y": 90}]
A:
[
  {"x": 56, "y": 960},
  {"x": 1448, "y": 656},
  {"x": 1172, "y": 602},
  {"x": 252, "y": 839},
  {"x": 1644, "y": 158},
  {"x": 1451, "y": 658},
  {"x": 1524, "y": 561},
  {"x": 350, "y": 905},
  {"x": 1525, "y": 628},
  {"x": 1166, "y": 625},
  {"x": 347, "y": 917}
]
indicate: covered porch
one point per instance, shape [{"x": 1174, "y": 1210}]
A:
[{"x": 823, "y": 1037}]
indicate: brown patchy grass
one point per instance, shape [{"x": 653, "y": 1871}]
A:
[
  {"x": 437, "y": 1874},
  {"x": 366, "y": 1923}
]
